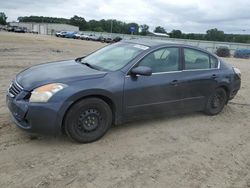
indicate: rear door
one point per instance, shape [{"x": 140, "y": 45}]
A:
[{"x": 199, "y": 78}]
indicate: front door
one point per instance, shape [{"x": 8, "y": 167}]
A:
[{"x": 159, "y": 92}]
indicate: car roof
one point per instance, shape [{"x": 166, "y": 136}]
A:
[{"x": 152, "y": 43}]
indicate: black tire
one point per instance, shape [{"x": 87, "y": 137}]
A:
[
  {"x": 88, "y": 120},
  {"x": 216, "y": 102}
]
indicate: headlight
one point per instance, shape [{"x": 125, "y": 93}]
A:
[{"x": 44, "y": 93}]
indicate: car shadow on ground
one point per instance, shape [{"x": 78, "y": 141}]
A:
[{"x": 115, "y": 129}]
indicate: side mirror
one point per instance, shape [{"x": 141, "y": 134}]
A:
[{"x": 142, "y": 70}]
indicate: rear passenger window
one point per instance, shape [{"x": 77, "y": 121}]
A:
[{"x": 195, "y": 59}]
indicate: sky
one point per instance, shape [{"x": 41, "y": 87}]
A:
[{"x": 196, "y": 16}]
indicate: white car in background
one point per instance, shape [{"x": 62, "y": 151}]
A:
[
  {"x": 61, "y": 33},
  {"x": 84, "y": 37},
  {"x": 93, "y": 37},
  {"x": 78, "y": 35}
]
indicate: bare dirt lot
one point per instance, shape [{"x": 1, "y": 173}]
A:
[{"x": 192, "y": 150}]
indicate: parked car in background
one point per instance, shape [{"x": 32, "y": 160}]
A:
[
  {"x": 83, "y": 36},
  {"x": 34, "y": 32},
  {"x": 17, "y": 29},
  {"x": 223, "y": 51},
  {"x": 20, "y": 30},
  {"x": 101, "y": 39},
  {"x": 88, "y": 37},
  {"x": 117, "y": 39},
  {"x": 70, "y": 34},
  {"x": 11, "y": 28},
  {"x": 93, "y": 37},
  {"x": 242, "y": 53},
  {"x": 108, "y": 40},
  {"x": 118, "y": 83},
  {"x": 3, "y": 27},
  {"x": 77, "y": 35},
  {"x": 61, "y": 34}
]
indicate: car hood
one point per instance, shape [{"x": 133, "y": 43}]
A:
[{"x": 56, "y": 72}]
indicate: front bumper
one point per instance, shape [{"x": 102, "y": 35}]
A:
[{"x": 41, "y": 118}]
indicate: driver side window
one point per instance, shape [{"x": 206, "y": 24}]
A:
[{"x": 162, "y": 60}]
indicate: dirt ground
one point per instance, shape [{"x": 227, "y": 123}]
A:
[{"x": 192, "y": 150}]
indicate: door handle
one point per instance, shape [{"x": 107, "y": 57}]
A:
[
  {"x": 174, "y": 82},
  {"x": 214, "y": 76}
]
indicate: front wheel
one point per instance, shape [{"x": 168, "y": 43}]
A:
[
  {"x": 216, "y": 102},
  {"x": 88, "y": 120}
]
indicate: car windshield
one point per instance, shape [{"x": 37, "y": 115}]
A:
[{"x": 114, "y": 57}]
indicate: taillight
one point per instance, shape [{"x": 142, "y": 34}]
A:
[{"x": 237, "y": 72}]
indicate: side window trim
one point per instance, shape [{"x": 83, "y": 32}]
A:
[
  {"x": 209, "y": 61},
  {"x": 218, "y": 62},
  {"x": 181, "y": 61}
]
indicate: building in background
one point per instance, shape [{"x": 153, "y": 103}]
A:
[
  {"x": 45, "y": 28},
  {"x": 159, "y": 34}
]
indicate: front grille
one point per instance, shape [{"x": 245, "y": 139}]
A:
[{"x": 15, "y": 89}]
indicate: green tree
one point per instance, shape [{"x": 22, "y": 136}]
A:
[
  {"x": 160, "y": 29},
  {"x": 3, "y": 18},
  {"x": 215, "y": 35},
  {"x": 176, "y": 34},
  {"x": 98, "y": 29},
  {"x": 79, "y": 21},
  {"x": 38, "y": 19},
  {"x": 144, "y": 29},
  {"x": 94, "y": 24},
  {"x": 241, "y": 38}
]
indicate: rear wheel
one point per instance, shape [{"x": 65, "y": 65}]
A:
[
  {"x": 216, "y": 102},
  {"x": 88, "y": 120}
]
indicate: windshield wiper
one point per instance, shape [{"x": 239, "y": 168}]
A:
[
  {"x": 79, "y": 59},
  {"x": 90, "y": 66}
]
